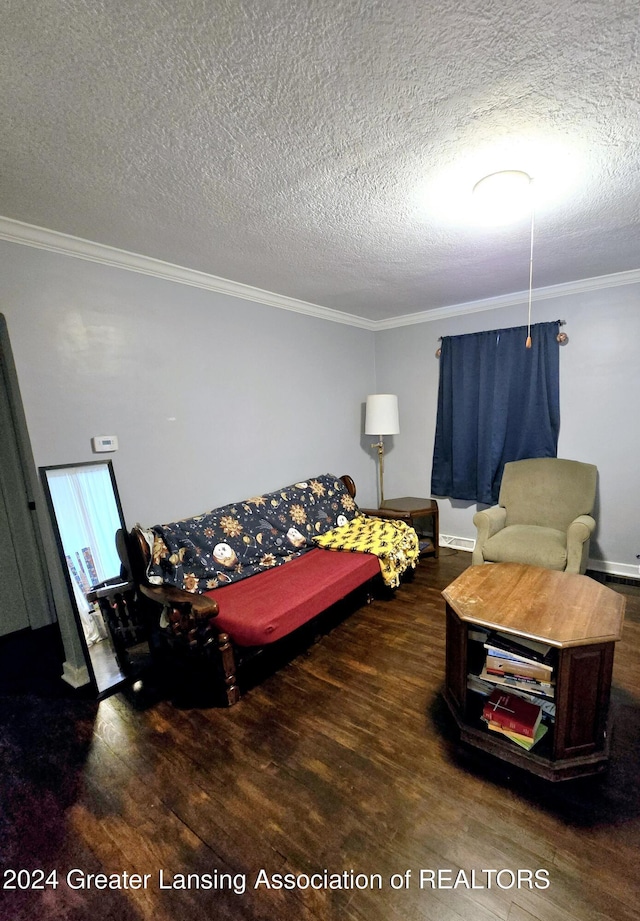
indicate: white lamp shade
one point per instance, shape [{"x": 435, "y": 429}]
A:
[{"x": 382, "y": 415}]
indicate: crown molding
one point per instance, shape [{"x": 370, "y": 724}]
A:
[
  {"x": 55, "y": 242},
  {"x": 52, "y": 240},
  {"x": 516, "y": 299}
]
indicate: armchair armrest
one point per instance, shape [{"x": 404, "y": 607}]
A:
[
  {"x": 581, "y": 528},
  {"x": 578, "y": 537},
  {"x": 488, "y": 522}
]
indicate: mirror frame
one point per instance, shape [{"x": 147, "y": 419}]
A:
[{"x": 98, "y": 692}]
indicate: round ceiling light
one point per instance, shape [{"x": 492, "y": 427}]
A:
[{"x": 503, "y": 197}]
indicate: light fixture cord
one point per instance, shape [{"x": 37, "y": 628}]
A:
[{"x": 528, "y": 343}]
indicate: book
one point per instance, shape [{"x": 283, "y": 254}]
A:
[
  {"x": 523, "y": 680},
  {"x": 479, "y": 686},
  {"x": 485, "y": 688},
  {"x": 512, "y": 713},
  {"x": 498, "y": 653},
  {"x": 521, "y": 646},
  {"x": 537, "y": 671},
  {"x": 524, "y": 684},
  {"x": 524, "y": 741}
]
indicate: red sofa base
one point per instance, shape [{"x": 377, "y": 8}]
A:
[{"x": 265, "y": 608}]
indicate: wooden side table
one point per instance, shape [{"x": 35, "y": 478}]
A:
[{"x": 415, "y": 512}]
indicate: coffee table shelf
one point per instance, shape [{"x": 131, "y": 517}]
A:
[{"x": 579, "y": 618}]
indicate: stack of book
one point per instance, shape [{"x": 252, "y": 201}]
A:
[
  {"x": 515, "y": 718},
  {"x": 520, "y": 664}
]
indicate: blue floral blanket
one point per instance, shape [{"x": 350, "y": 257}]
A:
[{"x": 244, "y": 538}]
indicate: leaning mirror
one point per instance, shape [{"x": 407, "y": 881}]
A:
[{"x": 86, "y": 513}]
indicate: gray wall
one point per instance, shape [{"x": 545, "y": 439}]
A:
[
  {"x": 599, "y": 397},
  {"x": 213, "y": 398}
]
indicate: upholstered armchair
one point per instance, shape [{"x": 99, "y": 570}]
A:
[{"x": 543, "y": 516}]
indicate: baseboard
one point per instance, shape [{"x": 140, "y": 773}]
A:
[
  {"x": 625, "y": 573},
  {"x": 622, "y": 583},
  {"x": 76, "y": 677},
  {"x": 457, "y": 543},
  {"x": 620, "y": 570}
]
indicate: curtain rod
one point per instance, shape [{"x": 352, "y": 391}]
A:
[
  {"x": 561, "y": 337},
  {"x": 560, "y": 323}
]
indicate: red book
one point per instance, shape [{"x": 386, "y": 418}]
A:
[{"x": 512, "y": 712}]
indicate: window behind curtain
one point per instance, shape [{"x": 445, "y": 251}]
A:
[{"x": 497, "y": 402}]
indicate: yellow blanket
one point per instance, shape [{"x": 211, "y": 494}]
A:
[{"x": 395, "y": 543}]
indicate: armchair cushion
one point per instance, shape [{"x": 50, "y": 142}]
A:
[{"x": 529, "y": 544}]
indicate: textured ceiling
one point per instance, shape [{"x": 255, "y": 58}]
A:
[{"x": 325, "y": 149}]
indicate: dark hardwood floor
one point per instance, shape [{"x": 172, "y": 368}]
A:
[{"x": 344, "y": 759}]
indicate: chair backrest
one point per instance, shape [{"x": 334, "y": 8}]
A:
[
  {"x": 134, "y": 554},
  {"x": 547, "y": 491}
]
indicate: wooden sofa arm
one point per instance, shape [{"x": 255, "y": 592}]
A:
[
  {"x": 192, "y": 628},
  {"x": 190, "y": 617},
  {"x": 168, "y": 595}
]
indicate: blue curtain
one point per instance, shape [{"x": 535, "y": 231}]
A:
[{"x": 497, "y": 402}]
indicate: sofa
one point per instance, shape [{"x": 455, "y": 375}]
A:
[{"x": 244, "y": 576}]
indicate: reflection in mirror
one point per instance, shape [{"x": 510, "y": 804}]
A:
[{"x": 86, "y": 513}]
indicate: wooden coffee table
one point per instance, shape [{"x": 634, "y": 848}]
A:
[{"x": 580, "y": 618}]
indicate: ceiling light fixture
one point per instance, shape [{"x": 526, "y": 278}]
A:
[
  {"x": 506, "y": 196},
  {"x": 503, "y": 197}
]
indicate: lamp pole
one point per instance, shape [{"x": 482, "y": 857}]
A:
[{"x": 380, "y": 446}]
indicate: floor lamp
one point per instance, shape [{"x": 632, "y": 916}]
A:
[{"x": 381, "y": 419}]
